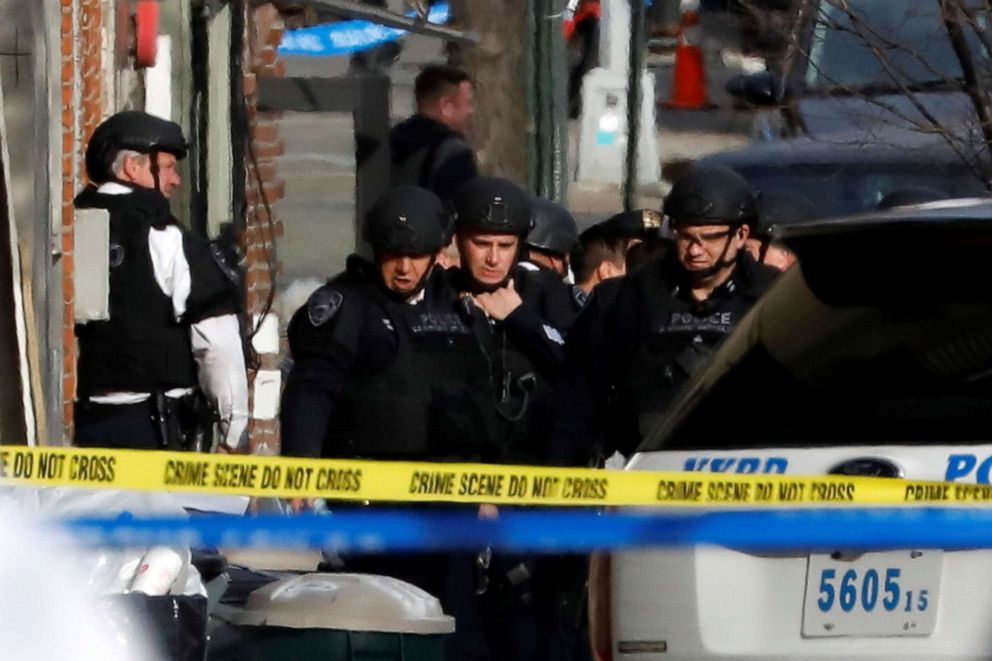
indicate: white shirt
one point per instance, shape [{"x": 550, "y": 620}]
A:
[{"x": 216, "y": 341}]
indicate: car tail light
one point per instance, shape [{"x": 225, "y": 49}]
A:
[{"x": 600, "y": 620}]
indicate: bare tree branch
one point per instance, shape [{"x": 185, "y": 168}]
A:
[{"x": 973, "y": 82}]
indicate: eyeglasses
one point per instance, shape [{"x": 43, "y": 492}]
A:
[{"x": 706, "y": 238}]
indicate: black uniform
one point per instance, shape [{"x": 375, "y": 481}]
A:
[
  {"x": 525, "y": 354},
  {"x": 379, "y": 378},
  {"x": 640, "y": 339},
  {"x": 428, "y": 154},
  {"x": 142, "y": 347}
]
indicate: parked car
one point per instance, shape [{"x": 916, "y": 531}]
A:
[
  {"x": 856, "y": 65},
  {"x": 871, "y": 358},
  {"x": 841, "y": 177}
]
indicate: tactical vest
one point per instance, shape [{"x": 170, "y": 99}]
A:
[
  {"x": 523, "y": 395},
  {"x": 677, "y": 337},
  {"x": 141, "y": 347},
  {"x": 432, "y": 401}
]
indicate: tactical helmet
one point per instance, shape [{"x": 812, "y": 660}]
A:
[
  {"x": 710, "y": 194},
  {"x": 554, "y": 229},
  {"x": 493, "y": 205},
  {"x": 134, "y": 130},
  {"x": 633, "y": 224},
  {"x": 780, "y": 208},
  {"x": 407, "y": 220}
]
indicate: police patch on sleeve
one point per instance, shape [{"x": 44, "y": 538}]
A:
[
  {"x": 552, "y": 334},
  {"x": 323, "y": 305}
]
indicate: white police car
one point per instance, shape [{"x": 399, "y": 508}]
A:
[{"x": 874, "y": 357}]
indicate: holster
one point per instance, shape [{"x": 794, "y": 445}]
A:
[{"x": 183, "y": 423}]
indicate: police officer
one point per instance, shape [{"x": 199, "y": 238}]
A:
[
  {"x": 385, "y": 367},
  {"x": 549, "y": 245},
  {"x": 642, "y": 233},
  {"x": 173, "y": 298},
  {"x": 668, "y": 317},
  {"x": 552, "y": 238},
  {"x": 777, "y": 208},
  {"x": 521, "y": 317}
]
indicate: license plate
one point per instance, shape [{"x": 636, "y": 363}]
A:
[{"x": 874, "y": 594}]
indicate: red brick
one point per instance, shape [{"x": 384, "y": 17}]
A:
[
  {"x": 265, "y": 132},
  {"x": 269, "y": 150},
  {"x": 275, "y": 189},
  {"x": 249, "y": 84},
  {"x": 68, "y": 289},
  {"x": 274, "y": 38}
]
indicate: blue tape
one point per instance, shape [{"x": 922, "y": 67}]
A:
[
  {"x": 551, "y": 531},
  {"x": 345, "y": 37}
]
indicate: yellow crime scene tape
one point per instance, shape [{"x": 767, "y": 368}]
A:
[{"x": 409, "y": 482}]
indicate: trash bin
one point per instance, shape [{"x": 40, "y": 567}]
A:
[{"x": 343, "y": 617}]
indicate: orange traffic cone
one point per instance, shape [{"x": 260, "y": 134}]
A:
[{"x": 689, "y": 78}]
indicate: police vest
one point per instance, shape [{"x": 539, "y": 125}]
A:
[
  {"x": 141, "y": 347},
  {"x": 677, "y": 337},
  {"x": 523, "y": 396},
  {"x": 432, "y": 401}
]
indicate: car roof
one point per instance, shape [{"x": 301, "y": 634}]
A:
[
  {"x": 897, "y": 148},
  {"x": 972, "y": 212}
]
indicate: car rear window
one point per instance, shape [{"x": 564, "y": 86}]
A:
[
  {"x": 839, "y": 189},
  {"x": 895, "y": 377}
]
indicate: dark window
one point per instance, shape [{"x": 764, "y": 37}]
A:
[
  {"x": 873, "y": 43},
  {"x": 838, "y": 189}
]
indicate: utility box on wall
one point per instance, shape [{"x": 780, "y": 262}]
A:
[{"x": 93, "y": 255}]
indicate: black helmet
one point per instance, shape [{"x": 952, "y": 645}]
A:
[
  {"x": 407, "y": 220},
  {"x": 493, "y": 205},
  {"x": 710, "y": 194},
  {"x": 134, "y": 130},
  {"x": 780, "y": 207},
  {"x": 633, "y": 224},
  {"x": 554, "y": 229}
]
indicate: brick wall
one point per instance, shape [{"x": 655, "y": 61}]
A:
[
  {"x": 82, "y": 52},
  {"x": 265, "y": 28}
]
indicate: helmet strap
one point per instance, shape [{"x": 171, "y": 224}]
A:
[
  {"x": 721, "y": 262},
  {"x": 153, "y": 162}
]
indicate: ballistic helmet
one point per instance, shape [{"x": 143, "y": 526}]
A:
[
  {"x": 554, "y": 229},
  {"x": 493, "y": 205},
  {"x": 710, "y": 194},
  {"x": 134, "y": 130},
  {"x": 780, "y": 208},
  {"x": 407, "y": 220}
]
